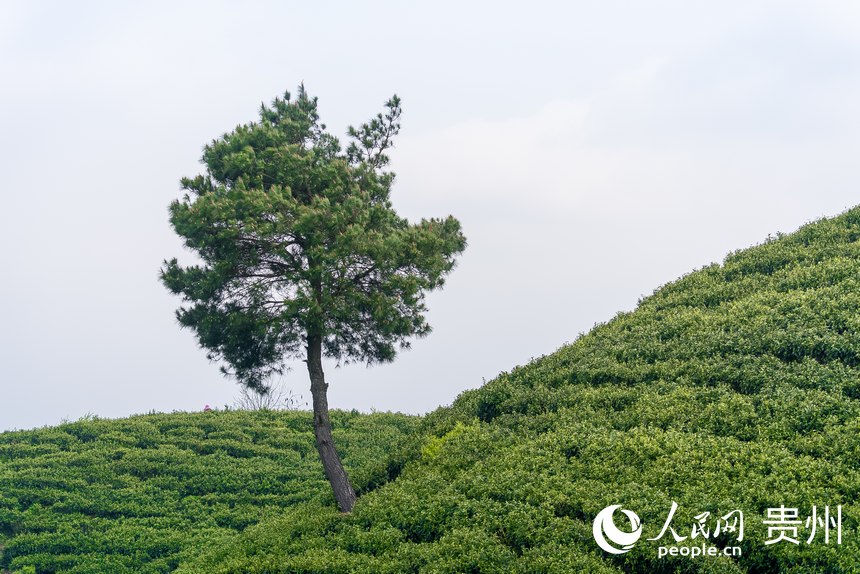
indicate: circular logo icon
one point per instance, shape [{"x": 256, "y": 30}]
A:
[{"x": 609, "y": 537}]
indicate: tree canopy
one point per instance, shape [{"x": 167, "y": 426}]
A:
[{"x": 298, "y": 237}]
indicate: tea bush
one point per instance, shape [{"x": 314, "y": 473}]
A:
[
  {"x": 140, "y": 494},
  {"x": 734, "y": 387}
]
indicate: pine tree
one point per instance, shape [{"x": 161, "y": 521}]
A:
[{"x": 303, "y": 255}]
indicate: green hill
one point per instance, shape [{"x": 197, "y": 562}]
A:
[
  {"x": 142, "y": 494},
  {"x": 734, "y": 388}
]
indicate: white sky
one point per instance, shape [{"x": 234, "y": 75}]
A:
[{"x": 592, "y": 151}]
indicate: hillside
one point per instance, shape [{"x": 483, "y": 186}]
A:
[
  {"x": 139, "y": 495},
  {"x": 735, "y": 387}
]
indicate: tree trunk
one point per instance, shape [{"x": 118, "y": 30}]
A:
[{"x": 334, "y": 471}]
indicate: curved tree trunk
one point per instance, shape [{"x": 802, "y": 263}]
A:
[{"x": 334, "y": 471}]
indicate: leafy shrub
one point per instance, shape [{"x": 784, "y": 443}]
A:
[
  {"x": 735, "y": 387},
  {"x": 141, "y": 494}
]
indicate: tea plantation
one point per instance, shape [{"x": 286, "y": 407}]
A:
[
  {"x": 144, "y": 493},
  {"x": 736, "y": 387}
]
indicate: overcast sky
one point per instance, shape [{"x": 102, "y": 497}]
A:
[{"x": 592, "y": 151}]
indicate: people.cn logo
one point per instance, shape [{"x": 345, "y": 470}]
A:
[{"x": 609, "y": 537}]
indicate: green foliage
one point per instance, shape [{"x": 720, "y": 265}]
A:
[
  {"x": 735, "y": 387},
  {"x": 299, "y": 241},
  {"x": 142, "y": 494},
  {"x": 433, "y": 446}
]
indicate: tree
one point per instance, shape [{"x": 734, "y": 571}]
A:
[{"x": 303, "y": 255}]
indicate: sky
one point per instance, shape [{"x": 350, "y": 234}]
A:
[{"x": 592, "y": 151}]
